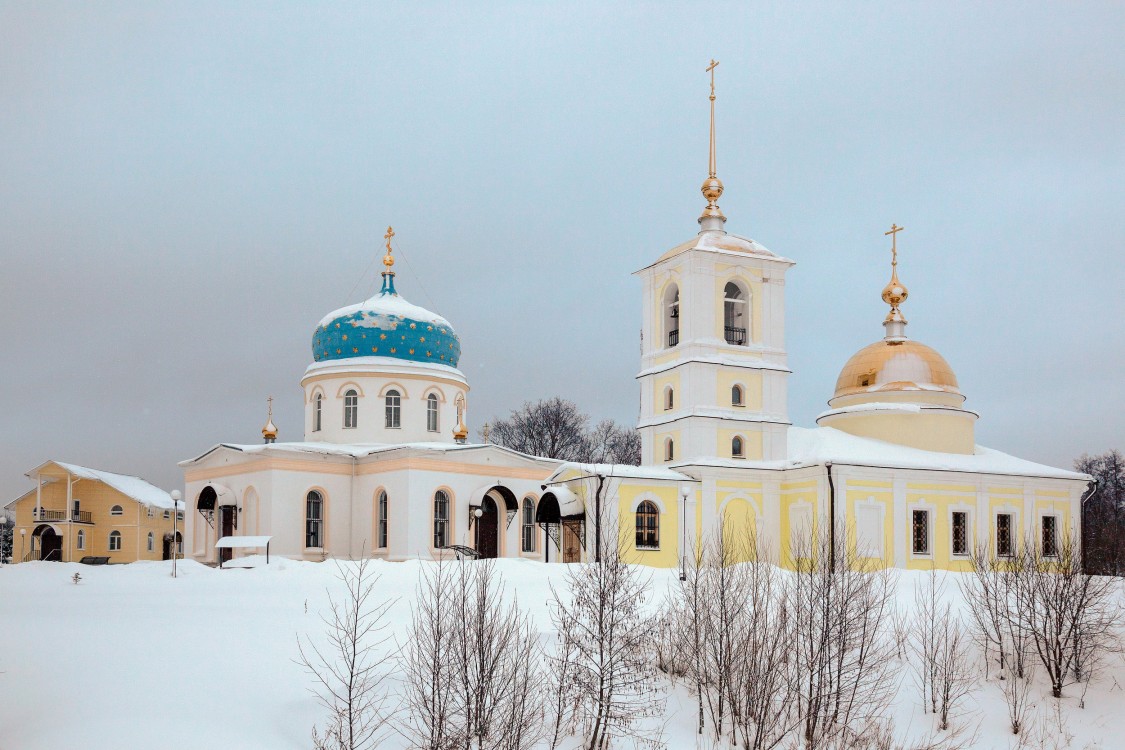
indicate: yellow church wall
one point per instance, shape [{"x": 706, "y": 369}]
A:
[
  {"x": 665, "y": 496},
  {"x": 659, "y": 385},
  {"x": 945, "y": 432},
  {"x": 941, "y": 500},
  {"x": 739, "y": 510},
  {"x": 874, "y": 494},
  {"x": 751, "y": 440},
  {"x": 798, "y": 495},
  {"x": 98, "y": 499},
  {"x": 751, "y": 382},
  {"x": 658, "y": 454}
]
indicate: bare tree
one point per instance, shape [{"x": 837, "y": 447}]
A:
[
  {"x": 429, "y": 672},
  {"x": 1103, "y": 514},
  {"x": 613, "y": 673},
  {"x": 557, "y": 428},
  {"x": 348, "y": 671},
  {"x": 940, "y": 664},
  {"x": 1017, "y": 697},
  {"x": 842, "y": 654}
]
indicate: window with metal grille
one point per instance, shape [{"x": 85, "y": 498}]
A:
[
  {"x": 351, "y": 409},
  {"x": 960, "y": 533},
  {"x": 528, "y": 525},
  {"x": 393, "y": 408},
  {"x": 1050, "y": 536},
  {"x": 382, "y": 530},
  {"x": 648, "y": 526},
  {"x": 314, "y": 519},
  {"x": 920, "y": 532},
  {"x": 432, "y": 413},
  {"x": 1004, "y": 535},
  {"x": 441, "y": 518}
]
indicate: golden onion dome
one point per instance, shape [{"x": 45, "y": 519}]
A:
[{"x": 896, "y": 366}]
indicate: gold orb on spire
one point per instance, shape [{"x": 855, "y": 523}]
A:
[
  {"x": 895, "y": 292},
  {"x": 388, "y": 259}
]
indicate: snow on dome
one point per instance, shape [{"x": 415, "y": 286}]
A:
[{"x": 386, "y": 325}]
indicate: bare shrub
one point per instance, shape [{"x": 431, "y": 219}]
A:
[
  {"x": 348, "y": 670},
  {"x": 940, "y": 664},
  {"x": 429, "y": 671},
  {"x": 1017, "y": 697}
]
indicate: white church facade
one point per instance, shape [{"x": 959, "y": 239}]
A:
[{"x": 385, "y": 469}]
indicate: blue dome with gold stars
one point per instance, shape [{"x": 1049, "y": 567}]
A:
[{"x": 386, "y": 326}]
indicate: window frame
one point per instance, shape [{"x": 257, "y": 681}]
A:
[
  {"x": 669, "y": 450},
  {"x": 80, "y": 540},
  {"x": 151, "y": 543},
  {"x": 1009, "y": 541},
  {"x": 527, "y": 525},
  {"x": 351, "y": 409},
  {"x": 740, "y": 442},
  {"x": 928, "y": 512},
  {"x": 318, "y": 412},
  {"x": 669, "y": 398},
  {"x": 441, "y": 519},
  {"x": 739, "y": 399},
  {"x": 392, "y": 410},
  {"x": 117, "y": 510},
  {"x": 731, "y": 311},
  {"x": 382, "y": 520},
  {"x": 115, "y": 541},
  {"x": 647, "y": 526},
  {"x": 1054, "y": 518},
  {"x": 968, "y": 532},
  {"x": 314, "y": 527},
  {"x": 432, "y": 418}
]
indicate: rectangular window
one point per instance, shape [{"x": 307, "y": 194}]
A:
[
  {"x": 920, "y": 532},
  {"x": 167, "y": 514},
  {"x": 1004, "y": 535},
  {"x": 960, "y": 532},
  {"x": 151, "y": 513},
  {"x": 1050, "y": 536}
]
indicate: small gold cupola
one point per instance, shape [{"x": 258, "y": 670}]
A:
[
  {"x": 269, "y": 432},
  {"x": 460, "y": 431},
  {"x": 712, "y": 218},
  {"x": 894, "y": 294}
]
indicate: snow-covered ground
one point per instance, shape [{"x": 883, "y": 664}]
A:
[{"x": 131, "y": 658}]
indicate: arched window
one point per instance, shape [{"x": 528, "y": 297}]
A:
[
  {"x": 648, "y": 526},
  {"x": 669, "y": 449},
  {"x": 669, "y": 398},
  {"x": 736, "y": 395},
  {"x": 441, "y": 519},
  {"x": 736, "y": 449},
  {"x": 431, "y": 412},
  {"x": 672, "y": 315},
  {"x": 734, "y": 314},
  {"x": 382, "y": 521},
  {"x": 394, "y": 409},
  {"x": 528, "y": 525},
  {"x": 351, "y": 409},
  {"x": 117, "y": 510},
  {"x": 318, "y": 411},
  {"x": 115, "y": 541},
  {"x": 179, "y": 543},
  {"x": 314, "y": 520},
  {"x": 81, "y": 539},
  {"x": 151, "y": 541}
]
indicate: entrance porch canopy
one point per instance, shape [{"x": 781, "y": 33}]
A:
[{"x": 242, "y": 542}]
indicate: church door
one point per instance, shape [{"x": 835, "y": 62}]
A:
[
  {"x": 488, "y": 527},
  {"x": 571, "y": 545},
  {"x": 226, "y": 526},
  {"x": 167, "y": 552}
]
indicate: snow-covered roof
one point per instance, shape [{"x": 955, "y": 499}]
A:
[
  {"x": 130, "y": 486},
  {"x": 233, "y": 542},
  {"x": 386, "y": 304},
  {"x": 625, "y": 471},
  {"x": 723, "y": 243},
  {"x": 820, "y": 445},
  {"x": 360, "y": 450}
]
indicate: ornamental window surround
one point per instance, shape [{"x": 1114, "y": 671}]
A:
[
  {"x": 648, "y": 526},
  {"x": 351, "y": 410},
  {"x": 393, "y": 410}
]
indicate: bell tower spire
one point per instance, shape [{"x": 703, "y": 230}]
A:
[
  {"x": 712, "y": 218},
  {"x": 894, "y": 294}
]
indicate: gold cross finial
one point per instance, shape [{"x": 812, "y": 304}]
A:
[
  {"x": 711, "y": 69},
  {"x": 893, "y": 232},
  {"x": 269, "y": 401},
  {"x": 388, "y": 259}
]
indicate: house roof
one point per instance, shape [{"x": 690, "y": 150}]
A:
[{"x": 128, "y": 485}]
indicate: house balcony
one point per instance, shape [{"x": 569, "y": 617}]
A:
[{"x": 48, "y": 514}]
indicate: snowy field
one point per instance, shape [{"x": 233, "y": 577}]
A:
[{"x": 131, "y": 658}]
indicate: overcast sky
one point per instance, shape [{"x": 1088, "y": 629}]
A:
[{"x": 187, "y": 188}]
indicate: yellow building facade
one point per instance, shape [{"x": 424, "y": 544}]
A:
[{"x": 75, "y": 512}]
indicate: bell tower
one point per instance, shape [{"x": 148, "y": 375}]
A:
[{"x": 713, "y": 363}]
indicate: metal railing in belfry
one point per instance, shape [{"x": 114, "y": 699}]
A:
[
  {"x": 736, "y": 336},
  {"x": 673, "y": 337}
]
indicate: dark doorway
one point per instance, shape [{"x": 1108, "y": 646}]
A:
[
  {"x": 487, "y": 529},
  {"x": 167, "y": 552},
  {"x": 50, "y": 544},
  {"x": 226, "y": 528}
]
